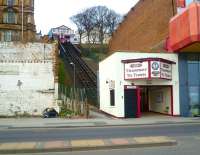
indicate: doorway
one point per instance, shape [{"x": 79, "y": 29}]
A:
[
  {"x": 156, "y": 99},
  {"x": 132, "y": 102}
]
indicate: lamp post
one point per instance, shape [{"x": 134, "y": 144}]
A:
[{"x": 74, "y": 77}]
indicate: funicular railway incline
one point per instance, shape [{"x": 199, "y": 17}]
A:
[{"x": 85, "y": 77}]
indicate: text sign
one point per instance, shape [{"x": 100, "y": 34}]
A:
[
  {"x": 136, "y": 70},
  {"x": 155, "y": 69},
  {"x": 166, "y": 70}
]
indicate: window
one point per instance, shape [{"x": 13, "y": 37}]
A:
[
  {"x": 32, "y": 3},
  {"x": 112, "y": 97},
  {"x": 29, "y": 19},
  {"x": 194, "y": 95},
  {"x": 9, "y": 17},
  {"x": 7, "y": 36},
  {"x": 193, "y": 62},
  {"x": 10, "y": 2}
]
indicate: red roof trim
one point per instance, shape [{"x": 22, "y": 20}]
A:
[{"x": 148, "y": 59}]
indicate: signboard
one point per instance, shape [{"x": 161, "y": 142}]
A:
[
  {"x": 166, "y": 71},
  {"x": 148, "y": 69},
  {"x": 155, "y": 69},
  {"x": 136, "y": 70}
]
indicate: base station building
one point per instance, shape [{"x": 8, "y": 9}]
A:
[{"x": 154, "y": 63}]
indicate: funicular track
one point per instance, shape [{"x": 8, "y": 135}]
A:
[{"x": 85, "y": 77}]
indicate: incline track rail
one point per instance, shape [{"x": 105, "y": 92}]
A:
[{"x": 85, "y": 77}]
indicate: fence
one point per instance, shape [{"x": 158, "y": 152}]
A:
[
  {"x": 74, "y": 100},
  {"x": 92, "y": 97}
]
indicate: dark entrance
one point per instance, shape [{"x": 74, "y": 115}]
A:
[
  {"x": 132, "y": 102},
  {"x": 144, "y": 92},
  {"x": 156, "y": 99}
]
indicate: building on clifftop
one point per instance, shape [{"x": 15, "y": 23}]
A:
[{"x": 17, "y": 20}]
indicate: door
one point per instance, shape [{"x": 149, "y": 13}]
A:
[{"x": 132, "y": 102}]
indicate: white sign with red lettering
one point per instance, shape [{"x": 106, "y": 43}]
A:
[
  {"x": 136, "y": 70},
  {"x": 166, "y": 70}
]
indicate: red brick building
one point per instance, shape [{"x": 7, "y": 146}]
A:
[{"x": 144, "y": 27}]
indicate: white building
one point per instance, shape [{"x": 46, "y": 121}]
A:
[
  {"x": 64, "y": 32},
  {"x": 133, "y": 83},
  {"x": 94, "y": 37},
  {"x": 27, "y": 78}
]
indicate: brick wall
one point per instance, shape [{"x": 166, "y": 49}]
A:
[{"x": 145, "y": 26}]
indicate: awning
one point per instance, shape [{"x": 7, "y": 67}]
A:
[{"x": 184, "y": 30}]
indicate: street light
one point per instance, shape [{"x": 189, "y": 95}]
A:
[{"x": 74, "y": 76}]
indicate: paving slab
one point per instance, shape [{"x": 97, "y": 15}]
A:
[
  {"x": 85, "y": 144},
  {"x": 26, "y": 145},
  {"x": 54, "y": 144},
  {"x": 79, "y": 143},
  {"x": 22, "y": 123},
  {"x": 120, "y": 141}
]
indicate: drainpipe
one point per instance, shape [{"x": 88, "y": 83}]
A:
[
  {"x": 173, "y": 8},
  {"x": 22, "y": 1}
]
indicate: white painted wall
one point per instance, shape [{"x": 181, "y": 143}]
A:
[
  {"x": 26, "y": 78},
  {"x": 113, "y": 69}
]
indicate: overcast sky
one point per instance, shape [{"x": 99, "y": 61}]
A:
[{"x": 53, "y": 13}]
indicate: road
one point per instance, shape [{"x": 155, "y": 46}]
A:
[
  {"x": 21, "y": 135},
  {"x": 187, "y": 145}
]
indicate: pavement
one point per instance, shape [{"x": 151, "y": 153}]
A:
[
  {"x": 85, "y": 144},
  {"x": 89, "y": 144},
  {"x": 97, "y": 121}
]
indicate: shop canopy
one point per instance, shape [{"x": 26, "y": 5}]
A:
[{"x": 184, "y": 30}]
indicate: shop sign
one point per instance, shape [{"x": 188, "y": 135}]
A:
[
  {"x": 166, "y": 70},
  {"x": 136, "y": 70},
  {"x": 149, "y": 69},
  {"x": 155, "y": 69}
]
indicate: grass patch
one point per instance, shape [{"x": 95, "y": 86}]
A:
[
  {"x": 66, "y": 113},
  {"x": 94, "y": 52},
  {"x": 63, "y": 75}
]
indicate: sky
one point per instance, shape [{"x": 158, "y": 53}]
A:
[{"x": 54, "y": 13}]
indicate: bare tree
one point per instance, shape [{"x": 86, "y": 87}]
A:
[
  {"x": 106, "y": 20},
  {"x": 78, "y": 20},
  {"x": 99, "y": 19},
  {"x": 113, "y": 20},
  {"x": 101, "y": 13},
  {"x": 88, "y": 22}
]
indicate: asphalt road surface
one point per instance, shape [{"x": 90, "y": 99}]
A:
[
  {"x": 187, "y": 145},
  {"x": 25, "y": 135}
]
